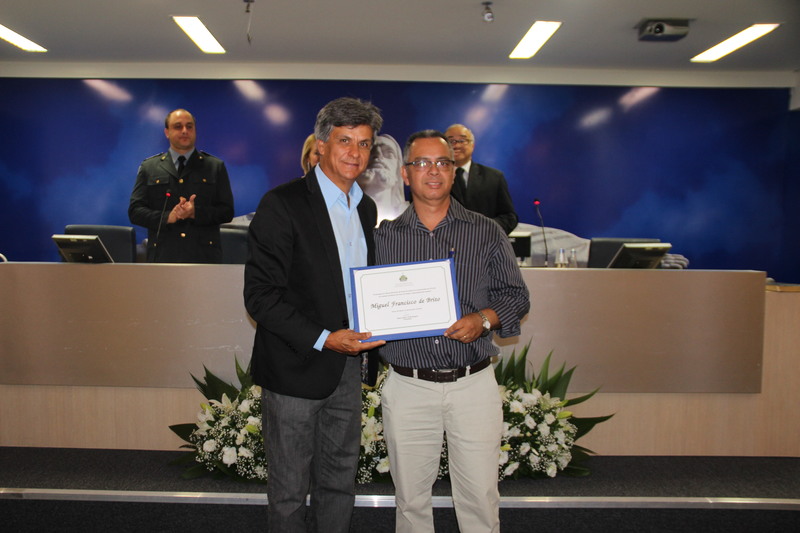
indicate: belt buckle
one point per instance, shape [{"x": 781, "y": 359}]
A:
[{"x": 445, "y": 375}]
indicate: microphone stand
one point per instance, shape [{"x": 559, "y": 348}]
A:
[
  {"x": 536, "y": 203},
  {"x": 160, "y": 223}
]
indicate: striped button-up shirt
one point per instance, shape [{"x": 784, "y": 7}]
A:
[{"x": 487, "y": 276}]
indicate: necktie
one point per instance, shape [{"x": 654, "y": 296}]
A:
[
  {"x": 181, "y": 164},
  {"x": 460, "y": 186}
]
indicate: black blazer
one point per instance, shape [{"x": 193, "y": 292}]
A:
[
  {"x": 293, "y": 288},
  {"x": 487, "y": 194},
  {"x": 186, "y": 241}
]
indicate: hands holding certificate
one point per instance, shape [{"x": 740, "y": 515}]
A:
[
  {"x": 470, "y": 327},
  {"x": 349, "y": 342}
]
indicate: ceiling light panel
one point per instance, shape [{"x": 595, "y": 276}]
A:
[
  {"x": 743, "y": 38},
  {"x": 197, "y": 32},
  {"x": 537, "y": 35},
  {"x": 18, "y": 40}
]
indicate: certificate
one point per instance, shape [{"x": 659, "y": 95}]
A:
[{"x": 406, "y": 300}]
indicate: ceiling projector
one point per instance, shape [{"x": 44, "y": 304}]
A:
[{"x": 663, "y": 29}]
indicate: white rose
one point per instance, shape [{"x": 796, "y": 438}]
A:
[
  {"x": 551, "y": 470},
  {"x": 245, "y": 406},
  {"x": 510, "y": 469},
  {"x": 244, "y": 452},
  {"x": 530, "y": 422},
  {"x": 209, "y": 446},
  {"x": 513, "y": 432},
  {"x": 544, "y": 429},
  {"x": 503, "y": 458},
  {"x": 374, "y": 398},
  {"x": 383, "y": 465},
  {"x": 501, "y": 389},
  {"x": 563, "y": 460},
  {"x": 549, "y": 418},
  {"x": 229, "y": 455},
  {"x": 516, "y": 406},
  {"x": 529, "y": 399},
  {"x": 525, "y": 448}
]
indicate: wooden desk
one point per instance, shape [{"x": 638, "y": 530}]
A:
[{"x": 104, "y": 353}]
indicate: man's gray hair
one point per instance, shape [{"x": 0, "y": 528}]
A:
[
  {"x": 470, "y": 135},
  {"x": 425, "y": 134},
  {"x": 347, "y": 112}
]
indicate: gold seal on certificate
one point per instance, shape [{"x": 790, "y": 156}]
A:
[{"x": 406, "y": 300}]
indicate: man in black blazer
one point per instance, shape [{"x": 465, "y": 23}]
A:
[
  {"x": 477, "y": 187},
  {"x": 182, "y": 196},
  {"x": 304, "y": 238}
]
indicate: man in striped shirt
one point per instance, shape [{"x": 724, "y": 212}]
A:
[{"x": 445, "y": 384}]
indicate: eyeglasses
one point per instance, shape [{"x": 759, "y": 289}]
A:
[
  {"x": 457, "y": 142},
  {"x": 441, "y": 164}
]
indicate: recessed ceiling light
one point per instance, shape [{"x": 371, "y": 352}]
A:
[
  {"x": 537, "y": 35},
  {"x": 18, "y": 40},
  {"x": 731, "y": 44},
  {"x": 198, "y": 33}
]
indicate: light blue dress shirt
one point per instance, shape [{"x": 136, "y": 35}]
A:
[
  {"x": 175, "y": 155},
  {"x": 350, "y": 240}
]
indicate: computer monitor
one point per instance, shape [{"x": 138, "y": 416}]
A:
[
  {"x": 640, "y": 255},
  {"x": 521, "y": 243},
  {"x": 603, "y": 249},
  {"x": 82, "y": 249}
]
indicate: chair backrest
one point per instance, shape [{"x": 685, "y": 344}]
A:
[
  {"x": 120, "y": 241},
  {"x": 234, "y": 244}
]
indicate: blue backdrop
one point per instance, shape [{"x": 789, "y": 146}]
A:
[{"x": 713, "y": 171}]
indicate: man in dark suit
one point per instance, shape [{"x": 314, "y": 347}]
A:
[
  {"x": 182, "y": 196},
  {"x": 304, "y": 238},
  {"x": 477, "y": 187}
]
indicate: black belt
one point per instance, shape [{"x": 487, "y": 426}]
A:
[{"x": 445, "y": 375}]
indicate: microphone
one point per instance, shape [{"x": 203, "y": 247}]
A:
[
  {"x": 536, "y": 204},
  {"x": 161, "y": 223}
]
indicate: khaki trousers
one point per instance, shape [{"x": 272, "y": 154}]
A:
[{"x": 416, "y": 413}]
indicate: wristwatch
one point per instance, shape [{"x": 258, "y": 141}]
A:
[{"x": 487, "y": 325}]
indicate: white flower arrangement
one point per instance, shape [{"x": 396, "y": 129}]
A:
[
  {"x": 228, "y": 435},
  {"x": 373, "y": 461},
  {"x": 538, "y": 433}
]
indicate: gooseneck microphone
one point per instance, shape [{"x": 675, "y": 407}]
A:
[
  {"x": 536, "y": 204},
  {"x": 160, "y": 223}
]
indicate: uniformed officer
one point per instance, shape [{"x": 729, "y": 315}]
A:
[{"x": 182, "y": 196}]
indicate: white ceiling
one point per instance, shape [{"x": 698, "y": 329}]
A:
[{"x": 317, "y": 37}]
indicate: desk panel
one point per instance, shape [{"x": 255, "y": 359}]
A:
[
  {"x": 648, "y": 330},
  {"x": 121, "y": 325},
  {"x": 147, "y": 325}
]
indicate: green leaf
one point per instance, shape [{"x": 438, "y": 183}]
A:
[
  {"x": 245, "y": 379},
  {"x": 213, "y": 388},
  {"x": 541, "y": 380},
  {"x": 585, "y": 425},
  {"x": 558, "y": 384},
  {"x": 509, "y": 371},
  {"x": 521, "y": 367},
  {"x": 580, "y": 454},
  {"x": 184, "y": 431},
  {"x": 576, "y": 471},
  {"x": 581, "y": 399},
  {"x": 194, "y": 472}
]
